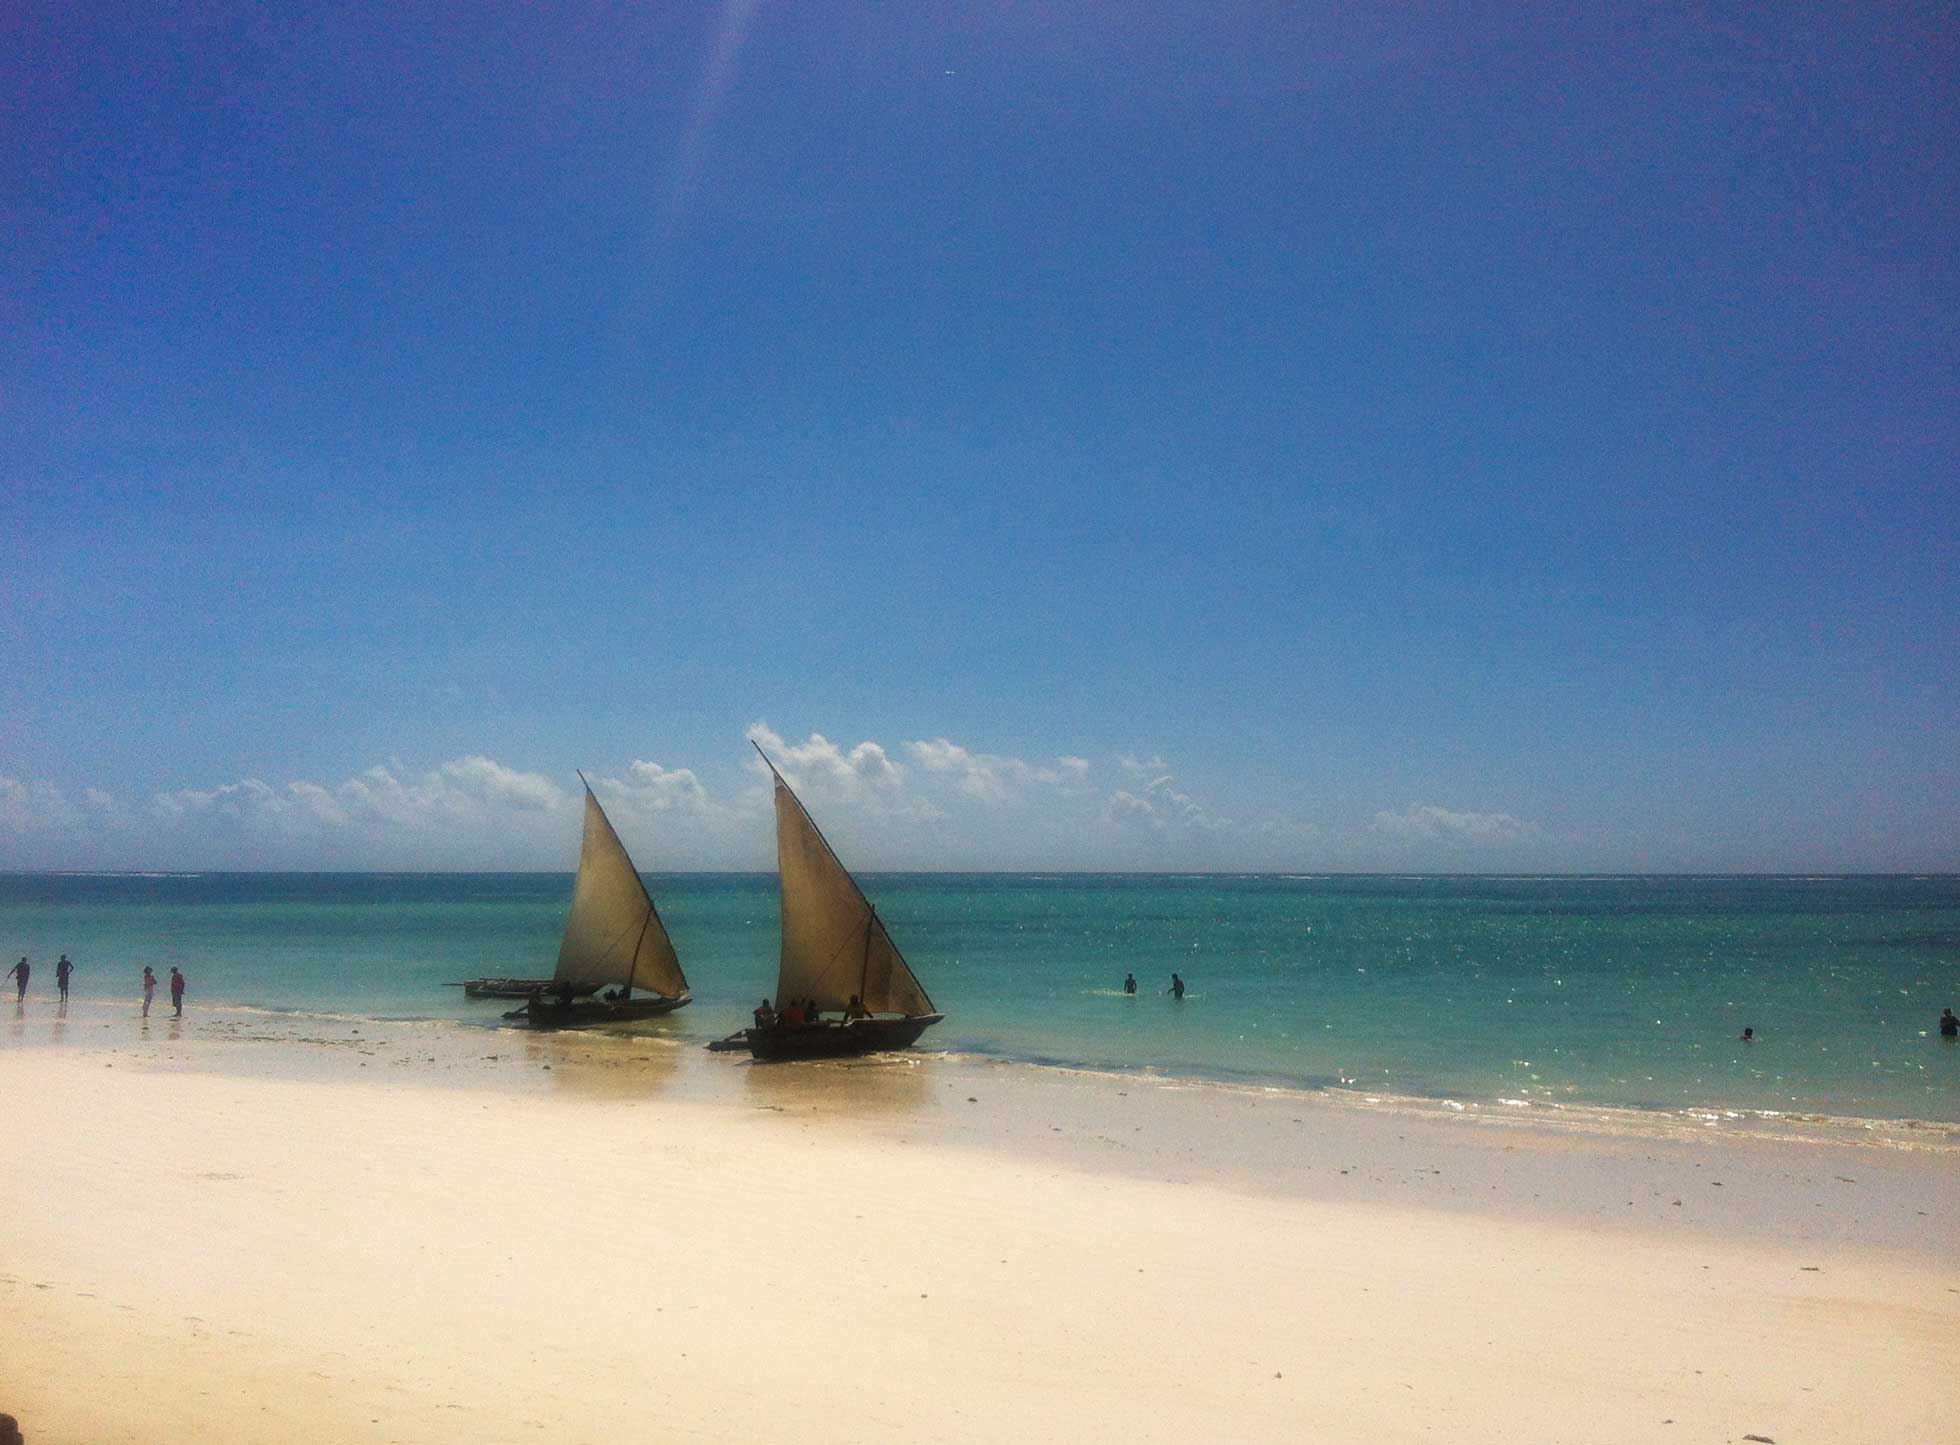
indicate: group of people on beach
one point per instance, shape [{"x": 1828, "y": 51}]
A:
[
  {"x": 21, "y": 970},
  {"x": 800, "y": 1011},
  {"x": 64, "y": 970},
  {"x": 1176, "y": 990}
]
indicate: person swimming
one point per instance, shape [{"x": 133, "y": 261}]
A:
[
  {"x": 1949, "y": 1025},
  {"x": 1748, "y": 1036}
]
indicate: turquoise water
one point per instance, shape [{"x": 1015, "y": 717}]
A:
[{"x": 1617, "y": 991}]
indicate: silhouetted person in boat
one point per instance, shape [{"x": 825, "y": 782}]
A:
[
  {"x": 149, "y": 988},
  {"x": 1129, "y": 983},
  {"x": 177, "y": 982},
  {"x": 22, "y": 969},
  {"x": 1177, "y": 987},
  {"x": 1749, "y": 1036},
  {"x": 564, "y": 993},
  {"x": 855, "y": 1009},
  {"x": 61, "y": 972},
  {"x": 765, "y": 1016},
  {"x": 1949, "y": 1025}
]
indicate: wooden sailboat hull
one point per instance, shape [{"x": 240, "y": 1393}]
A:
[
  {"x": 838, "y": 1040},
  {"x": 590, "y": 1013},
  {"x": 506, "y": 987}
]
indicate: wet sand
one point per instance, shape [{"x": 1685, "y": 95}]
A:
[{"x": 242, "y": 1228}]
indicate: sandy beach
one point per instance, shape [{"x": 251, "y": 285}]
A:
[{"x": 242, "y": 1228}]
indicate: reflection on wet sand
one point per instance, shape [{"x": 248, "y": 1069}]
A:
[
  {"x": 876, "y": 1086},
  {"x": 604, "y": 1066}
]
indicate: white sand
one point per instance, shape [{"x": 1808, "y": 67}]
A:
[{"x": 389, "y": 1237}]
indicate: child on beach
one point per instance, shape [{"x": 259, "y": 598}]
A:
[
  {"x": 149, "y": 989},
  {"x": 23, "y": 970},
  {"x": 177, "y": 982},
  {"x": 61, "y": 972}
]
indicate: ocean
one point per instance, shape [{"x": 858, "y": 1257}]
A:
[{"x": 1623, "y": 991}]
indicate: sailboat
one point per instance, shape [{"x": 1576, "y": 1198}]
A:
[
  {"x": 836, "y": 951},
  {"x": 613, "y": 936}
]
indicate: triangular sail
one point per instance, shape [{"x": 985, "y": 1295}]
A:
[
  {"x": 834, "y": 943},
  {"x": 614, "y": 934}
]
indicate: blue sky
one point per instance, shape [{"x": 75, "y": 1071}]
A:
[{"x": 1167, "y": 436}]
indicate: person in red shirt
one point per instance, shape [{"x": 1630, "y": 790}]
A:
[{"x": 177, "y": 982}]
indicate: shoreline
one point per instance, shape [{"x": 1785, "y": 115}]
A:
[{"x": 1626, "y": 1120}]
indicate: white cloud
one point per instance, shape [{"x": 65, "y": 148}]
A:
[
  {"x": 246, "y": 798},
  {"x": 463, "y": 790},
  {"x": 994, "y": 778},
  {"x": 32, "y": 807},
  {"x": 648, "y": 787},
  {"x": 866, "y": 775},
  {"x": 1427, "y": 823},
  {"x": 927, "y": 802},
  {"x": 1155, "y": 799}
]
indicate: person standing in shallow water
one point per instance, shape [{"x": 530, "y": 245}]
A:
[
  {"x": 149, "y": 989},
  {"x": 1177, "y": 987},
  {"x": 61, "y": 972},
  {"x": 22, "y": 969},
  {"x": 177, "y": 982}
]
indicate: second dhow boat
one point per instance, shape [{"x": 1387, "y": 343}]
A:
[
  {"x": 835, "y": 951},
  {"x": 613, "y": 936}
]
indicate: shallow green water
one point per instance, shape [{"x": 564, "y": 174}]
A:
[{"x": 1620, "y": 991}]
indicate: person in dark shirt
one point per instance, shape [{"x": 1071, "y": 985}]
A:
[
  {"x": 1177, "y": 987},
  {"x": 1129, "y": 983},
  {"x": 177, "y": 982},
  {"x": 1949, "y": 1025},
  {"x": 61, "y": 972},
  {"x": 22, "y": 969},
  {"x": 765, "y": 1016},
  {"x": 1749, "y": 1036}
]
